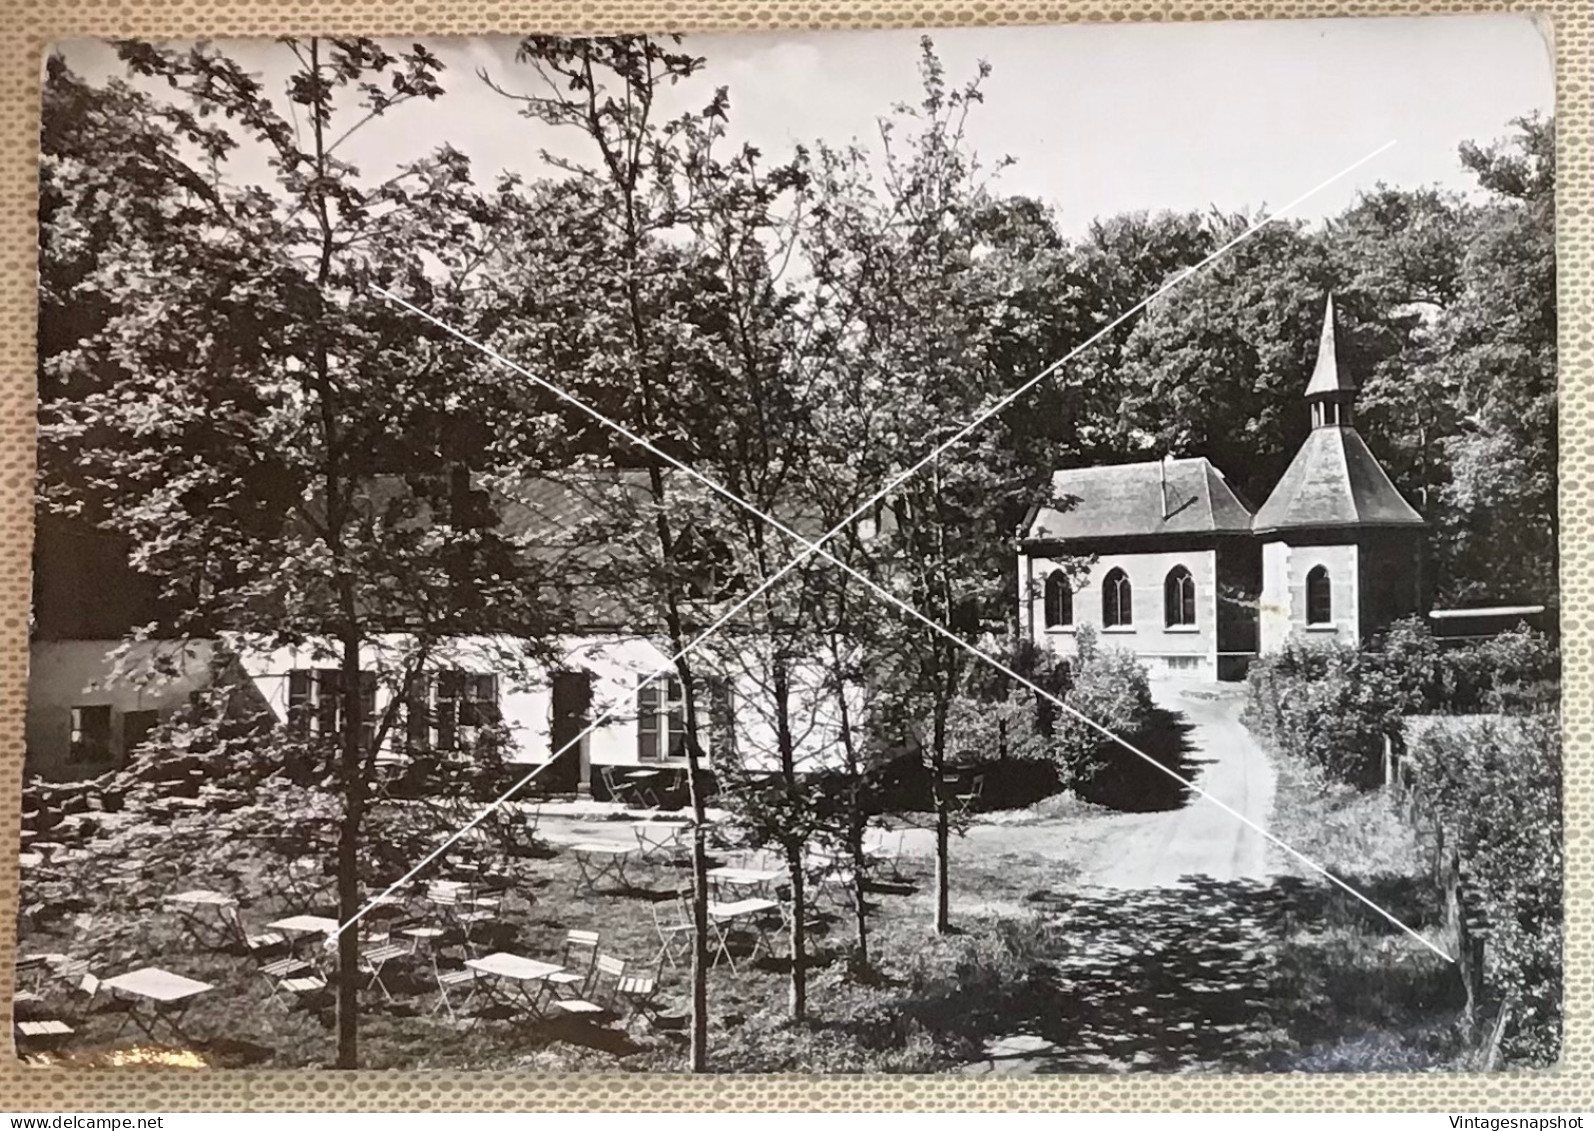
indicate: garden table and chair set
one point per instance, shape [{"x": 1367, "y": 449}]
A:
[{"x": 446, "y": 938}]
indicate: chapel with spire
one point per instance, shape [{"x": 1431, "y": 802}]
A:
[
  {"x": 1335, "y": 552},
  {"x": 1341, "y": 548}
]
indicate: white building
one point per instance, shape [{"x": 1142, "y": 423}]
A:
[{"x": 1179, "y": 571}]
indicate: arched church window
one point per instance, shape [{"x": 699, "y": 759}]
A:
[
  {"x": 1059, "y": 600},
  {"x": 1178, "y": 597},
  {"x": 1117, "y": 600},
  {"x": 1319, "y": 597}
]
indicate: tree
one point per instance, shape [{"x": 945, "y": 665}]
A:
[
  {"x": 288, "y": 455},
  {"x": 632, "y": 351},
  {"x": 921, "y": 350},
  {"x": 1495, "y": 346},
  {"x": 755, "y": 438}
]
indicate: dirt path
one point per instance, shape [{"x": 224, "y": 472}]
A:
[
  {"x": 1156, "y": 849},
  {"x": 1148, "y": 850}
]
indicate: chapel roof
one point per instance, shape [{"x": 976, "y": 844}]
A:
[
  {"x": 1128, "y": 500},
  {"x": 1334, "y": 481}
]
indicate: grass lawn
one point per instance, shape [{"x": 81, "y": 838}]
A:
[{"x": 1039, "y": 975}]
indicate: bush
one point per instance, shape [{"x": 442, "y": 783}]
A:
[
  {"x": 1496, "y": 789},
  {"x": 1328, "y": 704},
  {"x": 1514, "y": 673},
  {"x": 1112, "y": 690},
  {"x": 1000, "y": 720}
]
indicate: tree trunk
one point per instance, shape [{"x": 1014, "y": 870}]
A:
[
  {"x": 942, "y": 822},
  {"x": 348, "y": 855},
  {"x": 857, "y": 819},
  {"x": 698, "y": 1058},
  {"x": 860, "y": 912},
  {"x": 798, "y": 995}
]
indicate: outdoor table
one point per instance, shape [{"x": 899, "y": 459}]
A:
[
  {"x": 297, "y": 883},
  {"x": 169, "y": 996},
  {"x": 299, "y": 927},
  {"x": 754, "y": 878},
  {"x": 422, "y": 936},
  {"x": 660, "y": 836},
  {"x": 741, "y": 913},
  {"x": 596, "y": 859},
  {"x": 197, "y": 909},
  {"x": 528, "y": 976}
]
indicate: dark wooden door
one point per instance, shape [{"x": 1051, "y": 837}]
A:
[{"x": 572, "y": 709}]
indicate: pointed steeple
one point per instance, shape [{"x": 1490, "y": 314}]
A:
[
  {"x": 1327, "y": 377},
  {"x": 1333, "y": 481},
  {"x": 1330, "y": 391}
]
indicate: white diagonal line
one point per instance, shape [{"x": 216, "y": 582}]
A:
[{"x": 815, "y": 547}]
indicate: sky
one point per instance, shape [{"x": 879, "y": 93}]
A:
[{"x": 1099, "y": 119}]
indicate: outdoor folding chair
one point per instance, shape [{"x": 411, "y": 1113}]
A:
[
  {"x": 812, "y": 919},
  {"x": 32, "y": 967},
  {"x": 298, "y": 988},
  {"x": 673, "y": 935},
  {"x": 622, "y": 791},
  {"x": 449, "y": 980},
  {"x": 884, "y": 850},
  {"x": 258, "y": 943},
  {"x": 606, "y": 967},
  {"x": 654, "y": 840},
  {"x": 463, "y": 915},
  {"x": 639, "y": 990},
  {"x": 288, "y": 975},
  {"x": 580, "y": 947},
  {"x": 291, "y": 979},
  {"x": 374, "y": 958},
  {"x": 837, "y": 884},
  {"x": 25, "y": 1003},
  {"x": 969, "y": 800}
]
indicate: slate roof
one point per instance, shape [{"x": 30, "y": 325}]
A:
[
  {"x": 1126, "y": 501},
  {"x": 1334, "y": 481}
]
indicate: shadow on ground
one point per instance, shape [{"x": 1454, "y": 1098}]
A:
[
  {"x": 1129, "y": 784},
  {"x": 1209, "y": 977}
]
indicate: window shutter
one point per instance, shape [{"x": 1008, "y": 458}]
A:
[
  {"x": 367, "y": 709},
  {"x": 677, "y": 716},
  {"x": 328, "y": 694},
  {"x": 647, "y": 722},
  {"x": 721, "y": 718},
  {"x": 299, "y": 693},
  {"x": 447, "y": 712},
  {"x": 417, "y": 712}
]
